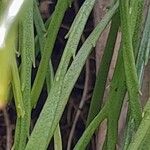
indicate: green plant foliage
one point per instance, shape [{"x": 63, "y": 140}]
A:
[
  {"x": 104, "y": 69},
  {"x": 31, "y": 37},
  {"x": 129, "y": 63},
  {"x": 143, "y": 131},
  {"x": 51, "y": 34},
  {"x": 26, "y": 47}
]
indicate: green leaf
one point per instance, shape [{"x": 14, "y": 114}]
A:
[
  {"x": 129, "y": 63},
  {"x": 53, "y": 108},
  {"x": 51, "y": 34},
  {"x": 101, "y": 78},
  {"x": 26, "y": 46},
  {"x": 144, "y": 50},
  {"x": 16, "y": 85},
  {"x": 143, "y": 129},
  {"x": 57, "y": 139}
]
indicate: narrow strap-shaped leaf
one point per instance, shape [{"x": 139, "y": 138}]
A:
[
  {"x": 140, "y": 66},
  {"x": 57, "y": 139},
  {"x": 142, "y": 130},
  {"x": 133, "y": 13},
  {"x": 6, "y": 55},
  {"x": 41, "y": 31},
  {"x": 145, "y": 142},
  {"x": 143, "y": 50},
  {"x": 74, "y": 36},
  {"x": 112, "y": 108},
  {"x": 27, "y": 50},
  {"x": 147, "y": 54},
  {"x": 17, "y": 134},
  {"x": 136, "y": 34},
  {"x": 41, "y": 36},
  {"x": 129, "y": 63},
  {"x": 40, "y": 27},
  {"x": 101, "y": 79},
  {"x": 17, "y": 89},
  {"x": 16, "y": 83},
  {"x": 50, "y": 117},
  {"x": 52, "y": 31}
]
